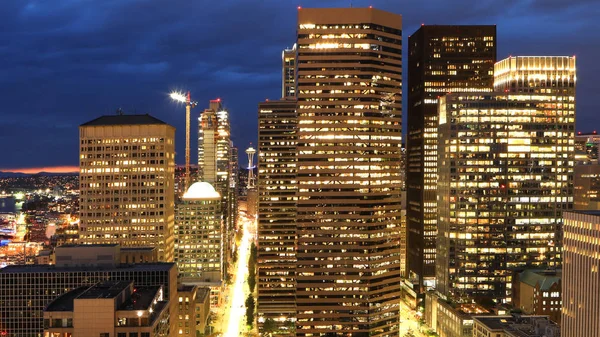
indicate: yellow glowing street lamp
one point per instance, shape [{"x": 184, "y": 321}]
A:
[{"x": 189, "y": 104}]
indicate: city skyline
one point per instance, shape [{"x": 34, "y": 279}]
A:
[{"x": 73, "y": 63}]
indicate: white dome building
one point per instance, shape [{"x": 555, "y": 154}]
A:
[
  {"x": 201, "y": 191},
  {"x": 199, "y": 237}
]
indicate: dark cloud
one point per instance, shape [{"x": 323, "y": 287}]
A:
[{"x": 66, "y": 62}]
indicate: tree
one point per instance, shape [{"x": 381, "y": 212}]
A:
[
  {"x": 250, "y": 310},
  {"x": 252, "y": 267},
  {"x": 251, "y": 279},
  {"x": 269, "y": 326}
]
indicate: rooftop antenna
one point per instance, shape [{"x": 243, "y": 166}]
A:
[{"x": 120, "y": 112}]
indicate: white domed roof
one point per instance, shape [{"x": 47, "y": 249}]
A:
[{"x": 201, "y": 190}]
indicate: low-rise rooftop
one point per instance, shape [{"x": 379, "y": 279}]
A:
[
  {"x": 545, "y": 278},
  {"x": 520, "y": 326},
  {"x": 39, "y": 268},
  {"x": 141, "y": 299}
]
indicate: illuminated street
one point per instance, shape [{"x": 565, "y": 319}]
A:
[
  {"x": 408, "y": 321},
  {"x": 235, "y": 310}
]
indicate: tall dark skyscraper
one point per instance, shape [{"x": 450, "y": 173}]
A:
[
  {"x": 349, "y": 91},
  {"x": 277, "y": 129},
  {"x": 441, "y": 59}
]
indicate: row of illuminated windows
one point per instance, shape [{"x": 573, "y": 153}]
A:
[{"x": 124, "y": 140}]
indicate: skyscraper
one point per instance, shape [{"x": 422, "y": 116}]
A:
[
  {"x": 441, "y": 59},
  {"x": 199, "y": 236},
  {"x": 288, "y": 75},
  {"x": 580, "y": 282},
  {"x": 214, "y": 162},
  {"x": 277, "y": 129},
  {"x": 349, "y": 75},
  {"x": 127, "y": 180},
  {"x": 536, "y": 74},
  {"x": 207, "y": 139},
  {"x": 505, "y": 177}
]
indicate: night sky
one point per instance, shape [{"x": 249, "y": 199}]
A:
[{"x": 65, "y": 62}]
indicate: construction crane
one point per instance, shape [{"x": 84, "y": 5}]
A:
[{"x": 189, "y": 104}]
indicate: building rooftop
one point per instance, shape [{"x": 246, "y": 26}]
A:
[
  {"x": 520, "y": 326},
  {"x": 95, "y": 245},
  {"x": 185, "y": 287},
  {"x": 129, "y": 249},
  {"x": 104, "y": 290},
  {"x": 40, "y": 268},
  {"x": 65, "y": 301},
  {"x": 545, "y": 278},
  {"x": 141, "y": 299},
  {"x": 596, "y": 213},
  {"x": 124, "y": 120},
  {"x": 202, "y": 293},
  {"x": 201, "y": 190}
]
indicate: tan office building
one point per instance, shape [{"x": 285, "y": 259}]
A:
[
  {"x": 127, "y": 181},
  {"x": 112, "y": 308},
  {"x": 349, "y": 76},
  {"x": 581, "y": 281}
]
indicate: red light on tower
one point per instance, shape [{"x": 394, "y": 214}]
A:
[
  {"x": 299, "y": 7},
  {"x": 422, "y": 24},
  {"x": 371, "y": 6},
  {"x": 579, "y": 132},
  {"x": 218, "y": 100}
]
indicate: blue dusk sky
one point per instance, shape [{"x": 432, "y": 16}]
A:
[{"x": 65, "y": 62}]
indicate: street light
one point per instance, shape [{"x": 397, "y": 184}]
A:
[{"x": 189, "y": 104}]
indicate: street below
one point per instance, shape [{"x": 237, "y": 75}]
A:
[{"x": 235, "y": 309}]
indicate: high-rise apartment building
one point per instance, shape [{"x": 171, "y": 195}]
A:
[
  {"x": 127, "y": 179},
  {"x": 580, "y": 281},
  {"x": 441, "y": 59},
  {"x": 288, "y": 73},
  {"x": 536, "y": 74},
  {"x": 349, "y": 76},
  {"x": 199, "y": 236},
  {"x": 505, "y": 176},
  {"x": 277, "y": 129}
]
